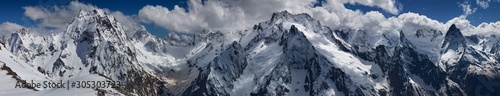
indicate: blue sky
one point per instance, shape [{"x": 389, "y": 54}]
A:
[{"x": 440, "y": 10}]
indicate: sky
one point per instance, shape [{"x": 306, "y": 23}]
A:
[{"x": 160, "y": 17}]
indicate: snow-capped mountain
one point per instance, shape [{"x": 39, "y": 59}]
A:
[
  {"x": 291, "y": 54},
  {"x": 94, "y": 45}
]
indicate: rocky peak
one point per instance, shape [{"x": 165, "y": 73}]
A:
[
  {"x": 401, "y": 35},
  {"x": 427, "y": 33},
  {"x": 279, "y": 15},
  {"x": 287, "y": 15},
  {"x": 453, "y": 39},
  {"x": 454, "y": 31},
  {"x": 141, "y": 34},
  {"x": 91, "y": 14},
  {"x": 274, "y": 29},
  {"x": 208, "y": 35},
  {"x": 303, "y": 18},
  {"x": 296, "y": 42},
  {"x": 97, "y": 25},
  {"x": 16, "y": 39},
  {"x": 23, "y": 31},
  {"x": 235, "y": 45},
  {"x": 404, "y": 40},
  {"x": 19, "y": 34}
]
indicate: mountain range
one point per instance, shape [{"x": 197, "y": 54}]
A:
[{"x": 290, "y": 54}]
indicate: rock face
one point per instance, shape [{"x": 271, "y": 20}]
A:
[
  {"x": 291, "y": 54},
  {"x": 453, "y": 40}
]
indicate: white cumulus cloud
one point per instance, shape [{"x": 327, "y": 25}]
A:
[
  {"x": 466, "y": 7},
  {"x": 228, "y": 15},
  {"x": 173, "y": 36},
  {"x": 58, "y": 17},
  {"x": 7, "y": 28},
  {"x": 483, "y": 3},
  {"x": 488, "y": 28},
  {"x": 186, "y": 38}
]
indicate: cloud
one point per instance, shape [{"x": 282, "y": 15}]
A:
[
  {"x": 223, "y": 15},
  {"x": 57, "y": 18},
  {"x": 7, "y": 28},
  {"x": 466, "y": 27},
  {"x": 177, "y": 19},
  {"x": 483, "y": 3},
  {"x": 488, "y": 28},
  {"x": 419, "y": 21},
  {"x": 173, "y": 36},
  {"x": 186, "y": 38},
  {"x": 229, "y": 15},
  {"x": 130, "y": 24},
  {"x": 388, "y": 5},
  {"x": 466, "y": 7},
  {"x": 461, "y": 23}
]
